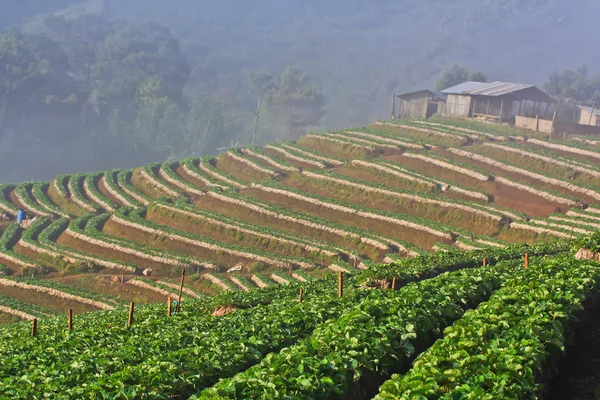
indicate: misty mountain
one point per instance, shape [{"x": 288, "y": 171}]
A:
[{"x": 355, "y": 53}]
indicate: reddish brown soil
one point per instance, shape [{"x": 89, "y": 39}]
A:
[{"x": 13, "y": 199}]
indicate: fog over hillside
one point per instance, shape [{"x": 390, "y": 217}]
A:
[{"x": 90, "y": 85}]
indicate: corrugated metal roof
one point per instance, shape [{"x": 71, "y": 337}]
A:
[
  {"x": 589, "y": 109},
  {"x": 440, "y": 95},
  {"x": 487, "y": 89}
]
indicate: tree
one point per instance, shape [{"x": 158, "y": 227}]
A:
[
  {"x": 291, "y": 99},
  {"x": 456, "y": 75},
  {"x": 574, "y": 84},
  {"x": 33, "y": 79}
]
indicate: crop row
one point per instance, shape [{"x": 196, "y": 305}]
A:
[
  {"x": 6, "y": 205},
  {"x": 543, "y": 178},
  {"x": 294, "y": 156},
  {"x": 312, "y": 154},
  {"x": 155, "y": 287},
  {"x": 134, "y": 219},
  {"x": 91, "y": 191},
  {"x": 220, "y": 221},
  {"x": 373, "y": 143},
  {"x": 9, "y": 238},
  {"x": 425, "y": 135},
  {"x": 346, "y": 149},
  {"x": 470, "y": 172},
  {"x": 168, "y": 173},
  {"x": 111, "y": 183},
  {"x": 378, "y": 335},
  {"x": 532, "y": 227},
  {"x": 272, "y": 161},
  {"x": 403, "y": 194},
  {"x": 507, "y": 344},
  {"x": 460, "y": 130},
  {"x": 380, "y": 137},
  {"x": 252, "y": 165},
  {"x": 88, "y": 229},
  {"x": 205, "y": 165},
  {"x": 418, "y": 224},
  {"x": 150, "y": 175},
  {"x": 190, "y": 167},
  {"x": 578, "y": 150},
  {"x": 242, "y": 282},
  {"x": 75, "y": 188},
  {"x": 22, "y": 309},
  {"x": 123, "y": 179}
]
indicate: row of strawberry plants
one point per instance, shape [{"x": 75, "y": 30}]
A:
[
  {"x": 22, "y": 194},
  {"x": 269, "y": 159},
  {"x": 431, "y": 263},
  {"x": 206, "y": 165},
  {"x": 89, "y": 228},
  {"x": 190, "y": 166},
  {"x": 575, "y": 149},
  {"x": 154, "y": 184},
  {"x": 293, "y": 155},
  {"x": 474, "y": 134},
  {"x": 234, "y": 227},
  {"x": 300, "y": 150},
  {"x": 250, "y": 168},
  {"x": 576, "y": 218},
  {"x": 428, "y": 136},
  {"x": 579, "y": 188},
  {"x": 168, "y": 172},
  {"x": 41, "y": 237},
  {"x": 468, "y": 207},
  {"x": 542, "y": 230},
  {"x": 505, "y": 347},
  {"x": 22, "y": 309},
  {"x": 58, "y": 192},
  {"x": 413, "y": 222},
  {"x": 103, "y": 302},
  {"x": 340, "y": 148},
  {"x": 380, "y": 334},
  {"x": 445, "y": 163},
  {"x": 135, "y": 219},
  {"x": 386, "y": 137},
  {"x": 526, "y": 153},
  {"x": 112, "y": 186},
  {"x": 90, "y": 188},
  {"x": 344, "y": 231},
  {"x": 38, "y": 192},
  {"x": 5, "y": 204},
  {"x": 242, "y": 282},
  {"x": 373, "y": 143},
  {"x": 75, "y": 184},
  {"x": 9, "y": 238},
  {"x": 124, "y": 181},
  {"x": 155, "y": 287}
]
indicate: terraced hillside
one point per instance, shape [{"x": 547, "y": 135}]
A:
[{"x": 289, "y": 212}]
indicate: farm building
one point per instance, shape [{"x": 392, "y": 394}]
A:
[
  {"x": 497, "y": 100},
  {"x": 589, "y": 116},
  {"x": 419, "y": 104}
]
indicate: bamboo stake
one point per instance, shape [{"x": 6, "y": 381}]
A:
[
  {"x": 130, "y": 320},
  {"x": 169, "y": 306},
  {"x": 70, "y": 320},
  {"x": 340, "y": 284},
  {"x": 484, "y": 261},
  {"x": 34, "y": 327},
  {"x": 301, "y": 295},
  {"x": 526, "y": 260},
  {"x": 180, "y": 291},
  {"x": 394, "y": 283}
]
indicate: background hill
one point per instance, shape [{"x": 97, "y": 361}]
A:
[{"x": 353, "y": 53}]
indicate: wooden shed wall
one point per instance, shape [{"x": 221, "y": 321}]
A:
[
  {"x": 456, "y": 106},
  {"x": 584, "y": 118},
  {"x": 414, "y": 106}
]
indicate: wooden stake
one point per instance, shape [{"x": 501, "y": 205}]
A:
[
  {"x": 592, "y": 113},
  {"x": 301, "y": 295},
  {"x": 34, "y": 327},
  {"x": 526, "y": 260},
  {"x": 394, "y": 283},
  {"x": 169, "y": 306},
  {"x": 70, "y": 320},
  {"x": 180, "y": 291},
  {"x": 394, "y": 106},
  {"x": 340, "y": 284},
  {"x": 484, "y": 261},
  {"x": 130, "y": 320}
]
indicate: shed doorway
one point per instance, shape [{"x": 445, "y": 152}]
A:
[{"x": 432, "y": 108}]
